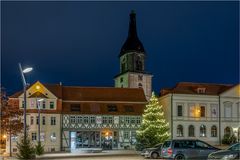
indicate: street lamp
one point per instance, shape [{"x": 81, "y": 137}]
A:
[{"x": 26, "y": 70}]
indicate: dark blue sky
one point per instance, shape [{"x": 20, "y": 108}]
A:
[{"x": 78, "y": 43}]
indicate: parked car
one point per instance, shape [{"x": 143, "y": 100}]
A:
[
  {"x": 232, "y": 152},
  {"x": 186, "y": 149},
  {"x": 154, "y": 152}
]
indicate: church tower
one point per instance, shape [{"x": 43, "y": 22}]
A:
[{"x": 132, "y": 62}]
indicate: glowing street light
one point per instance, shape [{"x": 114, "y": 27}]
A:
[{"x": 26, "y": 70}]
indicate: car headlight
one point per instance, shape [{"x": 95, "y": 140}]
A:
[{"x": 229, "y": 157}]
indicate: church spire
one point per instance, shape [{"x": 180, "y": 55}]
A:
[
  {"x": 132, "y": 31},
  {"x": 132, "y": 44}
]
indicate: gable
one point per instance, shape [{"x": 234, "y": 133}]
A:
[
  {"x": 232, "y": 92},
  {"x": 38, "y": 88}
]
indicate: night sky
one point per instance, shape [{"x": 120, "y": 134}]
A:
[{"x": 77, "y": 43}]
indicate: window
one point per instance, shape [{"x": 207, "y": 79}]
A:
[
  {"x": 179, "y": 131},
  {"x": 126, "y": 135},
  {"x": 227, "y": 131},
  {"x": 43, "y": 120},
  {"x": 43, "y": 104},
  {"x": 201, "y": 90},
  {"x": 139, "y": 85},
  {"x": 140, "y": 77},
  {"x": 53, "y": 137},
  {"x": 227, "y": 109},
  {"x": 202, "y": 145},
  {"x": 92, "y": 120},
  {"x": 37, "y": 120},
  {"x": 104, "y": 120},
  {"x": 139, "y": 66},
  {"x": 121, "y": 79},
  {"x": 214, "y": 131},
  {"x": 138, "y": 120},
  {"x": 184, "y": 144},
  {"x": 85, "y": 120},
  {"x": 112, "y": 108},
  {"x": 179, "y": 110},
  {"x": 191, "y": 131},
  {"x": 72, "y": 119},
  {"x": 22, "y": 104},
  {"x": 53, "y": 120},
  {"x": 51, "y": 105},
  {"x": 79, "y": 119},
  {"x": 202, "y": 131},
  {"x": 133, "y": 120},
  {"x": 75, "y": 108},
  {"x": 127, "y": 120},
  {"x": 202, "y": 111},
  {"x": 31, "y": 120},
  {"x": 128, "y": 108},
  {"x": 34, "y": 136},
  {"x": 110, "y": 120}
]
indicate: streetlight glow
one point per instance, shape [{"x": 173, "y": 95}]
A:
[
  {"x": 26, "y": 70},
  {"x": 40, "y": 100}
]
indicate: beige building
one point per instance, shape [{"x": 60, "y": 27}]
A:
[{"x": 202, "y": 111}]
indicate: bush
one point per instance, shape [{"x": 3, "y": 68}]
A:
[
  {"x": 229, "y": 139},
  {"x": 39, "y": 149},
  {"x": 26, "y": 150}
]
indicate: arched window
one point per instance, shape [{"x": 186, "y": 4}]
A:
[
  {"x": 191, "y": 131},
  {"x": 227, "y": 131},
  {"x": 139, "y": 64},
  {"x": 179, "y": 131},
  {"x": 202, "y": 131},
  {"x": 140, "y": 85},
  {"x": 214, "y": 131}
]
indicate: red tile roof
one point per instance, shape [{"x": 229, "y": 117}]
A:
[
  {"x": 191, "y": 88},
  {"x": 76, "y": 93}
]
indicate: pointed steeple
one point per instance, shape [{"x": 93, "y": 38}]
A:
[{"x": 132, "y": 43}]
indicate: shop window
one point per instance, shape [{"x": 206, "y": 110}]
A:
[
  {"x": 203, "y": 131},
  {"x": 53, "y": 137}
]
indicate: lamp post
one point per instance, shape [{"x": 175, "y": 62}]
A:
[{"x": 26, "y": 70}]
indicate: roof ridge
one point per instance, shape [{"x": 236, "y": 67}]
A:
[{"x": 207, "y": 83}]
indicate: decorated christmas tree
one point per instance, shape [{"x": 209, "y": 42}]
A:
[{"x": 154, "y": 129}]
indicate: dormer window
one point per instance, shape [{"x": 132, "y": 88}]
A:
[{"x": 201, "y": 90}]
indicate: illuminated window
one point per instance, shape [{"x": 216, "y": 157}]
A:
[
  {"x": 179, "y": 131},
  {"x": 214, "y": 131},
  {"x": 53, "y": 137},
  {"x": 191, "y": 131},
  {"x": 203, "y": 131}
]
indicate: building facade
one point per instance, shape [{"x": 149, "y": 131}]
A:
[
  {"x": 74, "y": 117},
  {"x": 202, "y": 111}
]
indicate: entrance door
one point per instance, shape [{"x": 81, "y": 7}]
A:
[{"x": 107, "y": 140}]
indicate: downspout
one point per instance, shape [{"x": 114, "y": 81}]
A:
[
  {"x": 219, "y": 102},
  {"x": 172, "y": 116}
]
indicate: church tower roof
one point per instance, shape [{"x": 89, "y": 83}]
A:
[{"x": 132, "y": 43}]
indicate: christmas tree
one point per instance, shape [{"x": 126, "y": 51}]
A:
[{"x": 154, "y": 129}]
